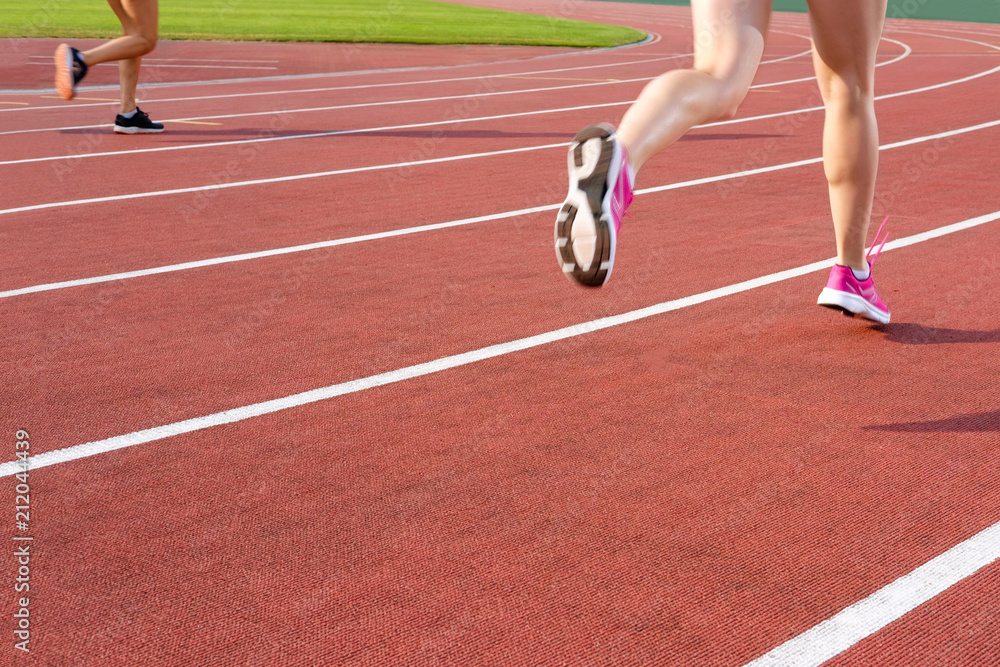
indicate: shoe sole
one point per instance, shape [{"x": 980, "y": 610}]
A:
[
  {"x": 585, "y": 235},
  {"x": 64, "y": 72},
  {"x": 851, "y": 305},
  {"x": 136, "y": 130}
]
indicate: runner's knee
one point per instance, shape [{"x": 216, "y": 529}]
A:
[
  {"x": 729, "y": 100},
  {"x": 148, "y": 37},
  {"x": 731, "y": 83},
  {"x": 150, "y": 41},
  {"x": 845, "y": 88}
]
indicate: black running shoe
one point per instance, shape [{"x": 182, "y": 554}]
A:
[
  {"x": 137, "y": 124},
  {"x": 70, "y": 70}
]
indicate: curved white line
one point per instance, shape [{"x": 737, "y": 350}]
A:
[
  {"x": 791, "y": 57},
  {"x": 956, "y": 39},
  {"x": 655, "y": 38},
  {"x": 887, "y": 96},
  {"x": 426, "y": 228},
  {"x": 387, "y": 128},
  {"x": 371, "y": 72},
  {"x": 238, "y": 142},
  {"x": 367, "y": 86},
  {"x": 443, "y": 225}
]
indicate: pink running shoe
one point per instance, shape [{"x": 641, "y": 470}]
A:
[
  {"x": 600, "y": 190},
  {"x": 846, "y": 293}
]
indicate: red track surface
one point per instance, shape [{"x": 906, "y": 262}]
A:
[{"x": 690, "y": 489}]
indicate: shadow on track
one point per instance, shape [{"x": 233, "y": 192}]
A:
[{"x": 907, "y": 333}]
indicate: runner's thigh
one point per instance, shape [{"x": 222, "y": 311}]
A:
[{"x": 846, "y": 34}]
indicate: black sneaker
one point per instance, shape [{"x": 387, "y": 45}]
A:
[
  {"x": 70, "y": 70},
  {"x": 137, "y": 124}
]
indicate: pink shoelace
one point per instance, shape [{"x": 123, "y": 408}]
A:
[{"x": 868, "y": 255}]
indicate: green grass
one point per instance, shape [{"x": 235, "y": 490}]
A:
[
  {"x": 400, "y": 21},
  {"x": 978, "y": 11}
]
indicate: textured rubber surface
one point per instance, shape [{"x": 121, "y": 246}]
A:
[{"x": 692, "y": 489}]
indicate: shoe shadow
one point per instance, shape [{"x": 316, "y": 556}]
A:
[
  {"x": 908, "y": 333},
  {"x": 982, "y": 422}
]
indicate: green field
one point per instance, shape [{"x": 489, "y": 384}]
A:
[
  {"x": 401, "y": 21},
  {"x": 979, "y": 11}
]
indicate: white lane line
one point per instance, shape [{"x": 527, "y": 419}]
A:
[
  {"x": 955, "y": 39},
  {"x": 819, "y": 160},
  {"x": 216, "y": 144},
  {"x": 454, "y": 223},
  {"x": 866, "y": 617},
  {"x": 300, "y": 248},
  {"x": 896, "y": 28},
  {"x": 225, "y": 67},
  {"x": 445, "y": 363},
  {"x": 339, "y": 107},
  {"x": 208, "y": 60},
  {"x": 322, "y": 174},
  {"x": 967, "y": 54},
  {"x": 906, "y": 52},
  {"x": 77, "y": 156},
  {"x": 265, "y": 139},
  {"x": 887, "y": 96},
  {"x": 368, "y": 73},
  {"x": 368, "y": 86},
  {"x": 48, "y": 60},
  {"x": 791, "y": 57}
]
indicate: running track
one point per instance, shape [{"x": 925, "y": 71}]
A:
[{"x": 304, "y": 384}]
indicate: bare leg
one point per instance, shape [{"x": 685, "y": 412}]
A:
[
  {"x": 122, "y": 48},
  {"x": 729, "y": 42},
  {"x": 139, "y": 19},
  {"x": 846, "y": 34},
  {"x": 128, "y": 78}
]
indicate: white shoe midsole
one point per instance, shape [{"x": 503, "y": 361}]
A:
[{"x": 853, "y": 303}]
